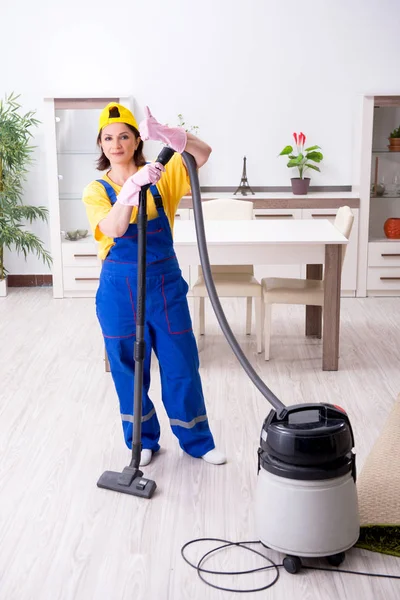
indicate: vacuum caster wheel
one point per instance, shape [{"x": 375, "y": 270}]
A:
[
  {"x": 292, "y": 564},
  {"x": 336, "y": 559}
]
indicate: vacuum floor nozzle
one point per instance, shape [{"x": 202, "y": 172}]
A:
[{"x": 130, "y": 481}]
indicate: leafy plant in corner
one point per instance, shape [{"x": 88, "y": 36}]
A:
[
  {"x": 15, "y": 157},
  {"x": 302, "y": 158}
]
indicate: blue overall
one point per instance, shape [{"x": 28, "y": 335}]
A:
[{"x": 168, "y": 331}]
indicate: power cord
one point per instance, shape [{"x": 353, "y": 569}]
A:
[
  {"x": 271, "y": 565},
  {"x": 227, "y": 544}
]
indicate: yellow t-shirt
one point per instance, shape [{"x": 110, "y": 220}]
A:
[{"x": 174, "y": 184}]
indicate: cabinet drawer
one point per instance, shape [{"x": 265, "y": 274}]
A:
[
  {"x": 276, "y": 213},
  {"x": 320, "y": 213},
  {"x": 385, "y": 254},
  {"x": 383, "y": 278},
  {"x": 81, "y": 279},
  {"x": 77, "y": 254}
]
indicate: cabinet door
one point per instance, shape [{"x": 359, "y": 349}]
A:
[
  {"x": 261, "y": 271},
  {"x": 349, "y": 271}
]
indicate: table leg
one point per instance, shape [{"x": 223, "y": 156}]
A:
[
  {"x": 332, "y": 279},
  {"x": 314, "y": 313},
  {"x": 107, "y": 364}
]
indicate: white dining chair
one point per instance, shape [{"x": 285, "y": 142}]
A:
[
  {"x": 231, "y": 281},
  {"x": 278, "y": 290}
]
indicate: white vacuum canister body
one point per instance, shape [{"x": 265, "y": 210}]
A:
[
  {"x": 307, "y": 518},
  {"x": 306, "y": 500}
]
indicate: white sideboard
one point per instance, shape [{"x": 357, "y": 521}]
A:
[{"x": 81, "y": 267}]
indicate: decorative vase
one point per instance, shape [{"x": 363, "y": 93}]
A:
[
  {"x": 392, "y": 228},
  {"x": 3, "y": 287},
  {"x": 300, "y": 186},
  {"x": 394, "y": 144}
]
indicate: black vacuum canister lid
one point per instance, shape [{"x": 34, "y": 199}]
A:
[{"x": 307, "y": 434}]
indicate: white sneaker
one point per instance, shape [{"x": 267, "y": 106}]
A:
[
  {"x": 215, "y": 457},
  {"x": 145, "y": 457}
]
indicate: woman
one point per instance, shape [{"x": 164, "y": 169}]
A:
[{"x": 111, "y": 205}]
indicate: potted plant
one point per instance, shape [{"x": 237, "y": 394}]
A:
[
  {"x": 394, "y": 140},
  {"x": 15, "y": 157},
  {"x": 301, "y": 160}
]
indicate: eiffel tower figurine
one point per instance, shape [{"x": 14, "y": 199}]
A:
[{"x": 244, "y": 186}]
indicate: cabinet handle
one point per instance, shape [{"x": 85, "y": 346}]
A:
[
  {"x": 390, "y": 278},
  {"x": 85, "y": 255},
  {"x": 323, "y": 216},
  {"x": 390, "y": 255},
  {"x": 87, "y": 279},
  {"x": 274, "y": 216}
]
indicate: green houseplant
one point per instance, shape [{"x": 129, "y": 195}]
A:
[
  {"x": 394, "y": 140},
  {"x": 301, "y": 161},
  {"x": 15, "y": 157}
]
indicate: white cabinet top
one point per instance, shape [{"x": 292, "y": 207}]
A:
[{"x": 281, "y": 196}]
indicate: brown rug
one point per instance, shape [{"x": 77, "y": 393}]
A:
[{"x": 379, "y": 490}]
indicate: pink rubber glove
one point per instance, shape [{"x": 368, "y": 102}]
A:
[
  {"x": 151, "y": 129},
  {"x": 130, "y": 191}
]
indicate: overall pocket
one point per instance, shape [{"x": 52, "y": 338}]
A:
[
  {"x": 176, "y": 310},
  {"x": 115, "y": 307}
]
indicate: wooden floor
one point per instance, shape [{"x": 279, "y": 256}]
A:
[{"x": 62, "y": 538}]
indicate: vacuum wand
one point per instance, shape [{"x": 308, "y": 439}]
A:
[
  {"x": 131, "y": 480},
  {"x": 205, "y": 264}
]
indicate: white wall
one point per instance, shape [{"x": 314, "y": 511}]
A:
[{"x": 247, "y": 73}]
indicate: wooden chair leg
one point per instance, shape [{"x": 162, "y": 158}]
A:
[
  {"x": 258, "y": 310},
  {"x": 267, "y": 328},
  {"x": 249, "y": 305},
  {"x": 202, "y": 316},
  {"x": 196, "y": 317},
  {"x": 106, "y": 362}
]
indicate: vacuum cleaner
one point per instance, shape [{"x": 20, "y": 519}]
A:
[{"x": 306, "y": 499}]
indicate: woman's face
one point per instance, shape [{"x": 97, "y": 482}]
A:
[{"x": 118, "y": 143}]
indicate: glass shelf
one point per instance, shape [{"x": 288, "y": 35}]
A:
[
  {"x": 69, "y": 152},
  {"x": 384, "y": 152},
  {"x": 88, "y": 239},
  {"x": 383, "y": 239},
  {"x": 70, "y": 196},
  {"x": 385, "y": 197}
]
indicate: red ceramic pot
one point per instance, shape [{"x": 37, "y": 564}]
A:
[{"x": 392, "y": 228}]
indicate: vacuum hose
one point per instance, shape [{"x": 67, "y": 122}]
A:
[{"x": 205, "y": 264}]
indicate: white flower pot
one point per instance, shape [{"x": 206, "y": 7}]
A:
[{"x": 3, "y": 288}]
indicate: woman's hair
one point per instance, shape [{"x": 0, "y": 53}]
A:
[{"x": 103, "y": 163}]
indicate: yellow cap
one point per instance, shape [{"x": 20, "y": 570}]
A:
[{"x": 125, "y": 116}]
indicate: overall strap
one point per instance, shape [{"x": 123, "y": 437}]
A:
[
  {"x": 156, "y": 194},
  {"x": 157, "y": 197},
  {"x": 109, "y": 189}
]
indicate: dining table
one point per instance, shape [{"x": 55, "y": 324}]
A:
[{"x": 315, "y": 243}]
